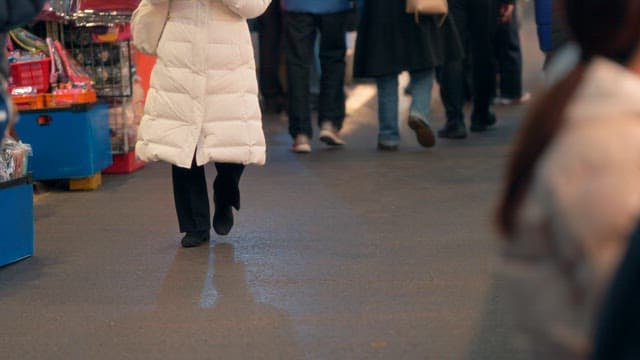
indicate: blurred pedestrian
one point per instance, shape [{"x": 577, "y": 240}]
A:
[
  {"x": 571, "y": 197},
  {"x": 270, "y": 33},
  {"x": 391, "y": 41},
  {"x": 203, "y": 107},
  {"x": 304, "y": 19},
  {"x": 480, "y": 20},
  {"x": 561, "y": 54},
  {"x": 618, "y": 327},
  {"x": 509, "y": 58},
  {"x": 13, "y": 13},
  {"x": 552, "y": 30}
]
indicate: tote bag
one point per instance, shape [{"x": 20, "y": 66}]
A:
[
  {"x": 428, "y": 7},
  {"x": 147, "y": 25}
]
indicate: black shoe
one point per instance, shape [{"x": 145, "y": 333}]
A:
[
  {"x": 193, "y": 239},
  {"x": 223, "y": 219},
  {"x": 224, "y": 197},
  {"x": 482, "y": 123},
  {"x": 453, "y": 130},
  {"x": 424, "y": 133}
]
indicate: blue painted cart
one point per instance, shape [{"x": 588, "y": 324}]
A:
[
  {"x": 16, "y": 220},
  {"x": 68, "y": 143}
]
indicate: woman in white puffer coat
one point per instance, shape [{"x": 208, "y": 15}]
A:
[{"x": 203, "y": 107}]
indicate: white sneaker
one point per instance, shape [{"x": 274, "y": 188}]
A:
[
  {"x": 329, "y": 135},
  {"x": 526, "y": 97},
  {"x": 301, "y": 144}
]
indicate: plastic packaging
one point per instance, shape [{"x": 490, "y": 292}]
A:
[{"x": 14, "y": 158}]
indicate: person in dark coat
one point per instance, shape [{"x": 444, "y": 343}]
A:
[
  {"x": 13, "y": 13},
  {"x": 480, "y": 19},
  {"x": 391, "y": 41},
  {"x": 271, "y": 46}
]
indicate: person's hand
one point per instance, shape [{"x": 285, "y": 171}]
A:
[{"x": 506, "y": 13}]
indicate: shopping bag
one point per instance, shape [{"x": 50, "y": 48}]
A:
[{"x": 147, "y": 25}]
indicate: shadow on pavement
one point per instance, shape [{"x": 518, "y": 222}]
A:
[{"x": 223, "y": 321}]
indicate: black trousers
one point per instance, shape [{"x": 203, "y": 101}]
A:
[
  {"x": 478, "y": 19},
  {"x": 509, "y": 56},
  {"x": 271, "y": 46},
  {"x": 191, "y": 195},
  {"x": 300, "y": 35}
]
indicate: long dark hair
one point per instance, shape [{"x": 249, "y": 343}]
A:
[{"x": 604, "y": 28}]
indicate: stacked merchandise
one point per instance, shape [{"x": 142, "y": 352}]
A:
[
  {"x": 13, "y": 155},
  {"x": 13, "y": 160},
  {"x": 44, "y": 75},
  {"x": 60, "y": 116},
  {"x": 86, "y": 58}
]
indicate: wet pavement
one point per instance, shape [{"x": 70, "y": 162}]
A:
[{"x": 339, "y": 254}]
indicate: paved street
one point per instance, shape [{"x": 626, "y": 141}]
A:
[{"x": 339, "y": 254}]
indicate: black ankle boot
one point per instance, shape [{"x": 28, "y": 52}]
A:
[
  {"x": 193, "y": 239},
  {"x": 223, "y": 220},
  {"x": 453, "y": 130},
  {"x": 482, "y": 122},
  {"x": 225, "y": 197}
]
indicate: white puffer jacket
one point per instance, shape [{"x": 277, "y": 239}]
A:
[{"x": 203, "y": 98}]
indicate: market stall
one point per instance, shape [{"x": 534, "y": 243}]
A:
[{"x": 74, "y": 81}]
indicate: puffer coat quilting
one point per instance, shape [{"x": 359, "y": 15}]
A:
[{"x": 203, "y": 97}]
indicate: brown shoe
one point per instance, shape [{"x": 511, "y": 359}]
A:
[{"x": 424, "y": 133}]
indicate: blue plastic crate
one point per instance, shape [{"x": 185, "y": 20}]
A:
[
  {"x": 67, "y": 143},
  {"x": 16, "y": 221}
]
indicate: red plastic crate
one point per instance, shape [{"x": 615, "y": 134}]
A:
[{"x": 32, "y": 73}]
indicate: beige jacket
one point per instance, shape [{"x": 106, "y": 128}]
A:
[
  {"x": 573, "y": 227},
  {"x": 204, "y": 92}
]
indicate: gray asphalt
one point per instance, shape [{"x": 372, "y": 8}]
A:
[{"x": 339, "y": 254}]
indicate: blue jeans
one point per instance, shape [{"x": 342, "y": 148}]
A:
[{"x": 421, "y": 86}]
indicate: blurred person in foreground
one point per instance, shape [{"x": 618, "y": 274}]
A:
[
  {"x": 13, "y": 13},
  {"x": 391, "y": 41},
  {"x": 572, "y": 197}
]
